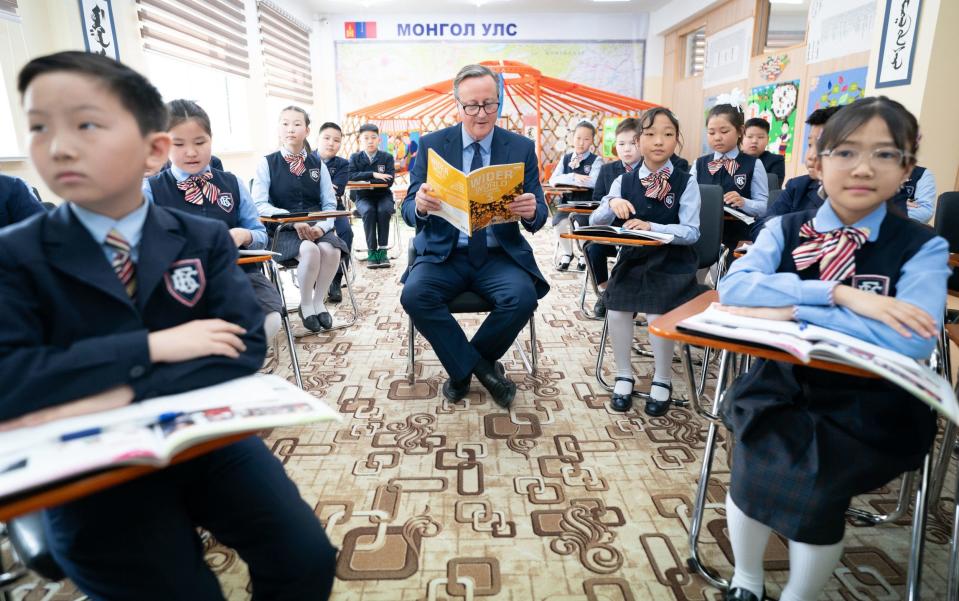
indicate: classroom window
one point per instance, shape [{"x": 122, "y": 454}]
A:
[
  {"x": 695, "y": 52},
  {"x": 222, "y": 95},
  {"x": 8, "y": 8},
  {"x": 785, "y": 23},
  {"x": 285, "y": 49},
  {"x": 11, "y": 37},
  {"x": 211, "y": 33}
]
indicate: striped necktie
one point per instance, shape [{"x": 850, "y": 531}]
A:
[
  {"x": 657, "y": 184},
  {"x": 122, "y": 261},
  {"x": 197, "y": 187},
  {"x": 296, "y": 162},
  {"x": 835, "y": 251},
  {"x": 730, "y": 164},
  {"x": 477, "y": 242},
  {"x": 628, "y": 167}
]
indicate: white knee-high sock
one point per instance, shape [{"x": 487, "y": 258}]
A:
[
  {"x": 620, "y": 326},
  {"x": 271, "y": 325},
  {"x": 565, "y": 244},
  {"x": 810, "y": 566},
  {"x": 748, "y": 538},
  {"x": 306, "y": 272},
  {"x": 329, "y": 262},
  {"x": 663, "y": 360}
]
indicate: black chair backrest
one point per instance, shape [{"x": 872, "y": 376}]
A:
[
  {"x": 710, "y": 225},
  {"x": 773, "y": 195},
  {"x": 947, "y": 219},
  {"x": 774, "y": 183}
]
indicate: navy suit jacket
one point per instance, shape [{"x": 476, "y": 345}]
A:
[
  {"x": 436, "y": 238},
  {"x": 800, "y": 194},
  {"x": 69, "y": 330},
  {"x": 16, "y": 201}
]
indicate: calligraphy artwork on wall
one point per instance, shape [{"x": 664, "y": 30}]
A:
[
  {"x": 898, "y": 47},
  {"x": 99, "y": 28}
]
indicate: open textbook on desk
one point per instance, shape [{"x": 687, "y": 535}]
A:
[
  {"x": 150, "y": 432},
  {"x": 472, "y": 202},
  {"x": 807, "y": 342}
]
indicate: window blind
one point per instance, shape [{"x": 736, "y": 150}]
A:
[
  {"x": 285, "y": 46},
  {"x": 8, "y": 7}
]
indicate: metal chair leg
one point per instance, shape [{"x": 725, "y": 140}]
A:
[
  {"x": 599, "y": 364},
  {"x": 694, "y": 562},
  {"x": 914, "y": 573},
  {"x": 532, "y": 341},
  {"x": 866, "y": 518},
  {"x": 287, "y": 327},
  {"x": 529, "y": 365},
  {"x": 411, "y": 350},
  {"x": 953, "y": 585},
  {"x": 941, "y": 465},
  {"x": 349, "y": 291}
]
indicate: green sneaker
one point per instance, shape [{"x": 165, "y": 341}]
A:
[
  {"x": 384, "y": 259},
  {"x": 372, "y": 259}
]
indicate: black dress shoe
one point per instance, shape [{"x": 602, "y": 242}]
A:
[
  {"x": 456, "y": 390},
  {"x": 581, "y": 264},
  {"x": 334, "y": 295},
  {"x": 326, "y": 320},
  {"x": 493, "y": 379},
  {"x": 599, "y": 309},
  {"x": 622, "y": 402},
  {"x": 312, "y": 323},
  {"x": 659, "y": 408},
  {"x": 741, "y": 594},
  {"x": 564, "y": 262}
]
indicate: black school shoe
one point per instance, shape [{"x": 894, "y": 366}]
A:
[
  {"x": 325, "y": 320},
  {"x": 312, "y": 323},
  {"x": 659, "y": 408},
  {"x": 599, "y": 309},
  {"x": 456, "y": 390},
  {"x": 564, "y": 262},
  {"x": 741, "y": 594},
  {"x": 622, "y": 402},
  {"x": 493, "y": 378},
  {"x": 334, "y": 295}
]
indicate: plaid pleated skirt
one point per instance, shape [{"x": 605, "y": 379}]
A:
[
  {"x": 653, "y": 279},
  {"x": 806, "y": 441},
  {"x": 288, "y": 244}
]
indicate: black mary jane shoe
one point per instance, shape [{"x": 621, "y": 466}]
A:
[
  {"x": 326, "y": 320},
  {"x": 312, "y": 323},
  {"x": 564, "y": 262},
  {"x": 622, "y": 402},
  {"x": 581, "y": 264},
  {"x": 659, "y": 408},
  {"x": 741, "y": 594}
]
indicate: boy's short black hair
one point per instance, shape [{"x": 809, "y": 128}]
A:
[
  {"x": 758, "y": 122},
  {"x": 587, "y": 125},
  {"x": 331, "y": 125},
  {"x": 369, "y": 127},
  {"x": 820, "y": 116},
  {"x": 135, "y": 92},
  {"x": 628, "y": 124}
]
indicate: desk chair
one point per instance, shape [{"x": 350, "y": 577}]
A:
[
  {"x": 773, "y": 180},
  {"x": 31, "y": 552},
  {"x": 773, "y": 196},
  {"x": 470, "y": 302},
  {"x": 707, "y": 251}
]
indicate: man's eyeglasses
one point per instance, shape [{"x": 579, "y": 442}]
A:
[{"x": 473, "y": 109}]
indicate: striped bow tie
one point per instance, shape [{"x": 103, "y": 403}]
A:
[
  {"x": 122, "y": 262},
  {"x": 198, "y": 187},
  {"x": 835, "y": 251},
  {"x": 296, "y": 162},
  {"x": 629, "y": 168},
  {"x": 657, "y": 184},
  {"x": 730, "y": 164}
]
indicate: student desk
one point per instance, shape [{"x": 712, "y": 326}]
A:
[
  {"x": 574, "y": 210},
  {"x": 553, "y": 192},
  {"x": 666, "y": 327},
  {"x": 618, "y": 242},
  {"x": 64, "y": 492},
  {"x": 286, "y": 223},
  {"x": 350, "y": 186}
]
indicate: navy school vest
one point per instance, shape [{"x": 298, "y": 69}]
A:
[
  {"x": 649, "y": 209},
  {"x": 741, "y": 181},
  {"x": 294, "y": 193},
  {"x": 907, "y": 191},
  {"x": 585, "y": 167},
  {"x": 166, "y": 194},
  {"x": 878, "y": 264}
]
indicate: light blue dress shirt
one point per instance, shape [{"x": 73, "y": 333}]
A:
[
  {"x": 130, "y": 227},
  {"x": 753, "y": 282},
  {"x": 925, "y": 198},
  {"x": 685, "y": 232},
  {"x": 261, "y": 191},
  {"x": 247, "y": 217},
  {"x": 755, "y": 206},
  {"x": 559, "y": 175}
]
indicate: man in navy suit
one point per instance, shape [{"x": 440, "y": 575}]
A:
[{"x": 496, "y": 263}]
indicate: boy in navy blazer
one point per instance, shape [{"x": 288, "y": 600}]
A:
[
  {"x": 496, "y": 263},
  {"x": 16, "y": 201},
  {"x": 375, "y": 206},
  {"x": 110, "y": 300}
]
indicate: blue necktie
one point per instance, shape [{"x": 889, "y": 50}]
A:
[{"x": 477, "y": 246}]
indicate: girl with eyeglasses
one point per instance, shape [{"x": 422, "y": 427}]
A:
[{"x": 807, "y": 440}]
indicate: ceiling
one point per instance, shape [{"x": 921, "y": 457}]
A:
[{"x": 355, "y": 7}]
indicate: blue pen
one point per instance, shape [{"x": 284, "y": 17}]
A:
[
  {"x": 80, "y": 434},
  {"x": 168, "y": 417}
]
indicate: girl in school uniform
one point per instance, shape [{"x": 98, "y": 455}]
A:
[
  {"x": 292, "y": 180},
  {"x": 650, "y": 279},
  {"x": 806, "y": 440},
  {"x": 742, "y": 177},
  {"x": 192, "y": 184},
  {"x": 578, "y": 168}
]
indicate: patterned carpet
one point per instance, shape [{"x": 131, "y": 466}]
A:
[{"x": 558, "y": 499}]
